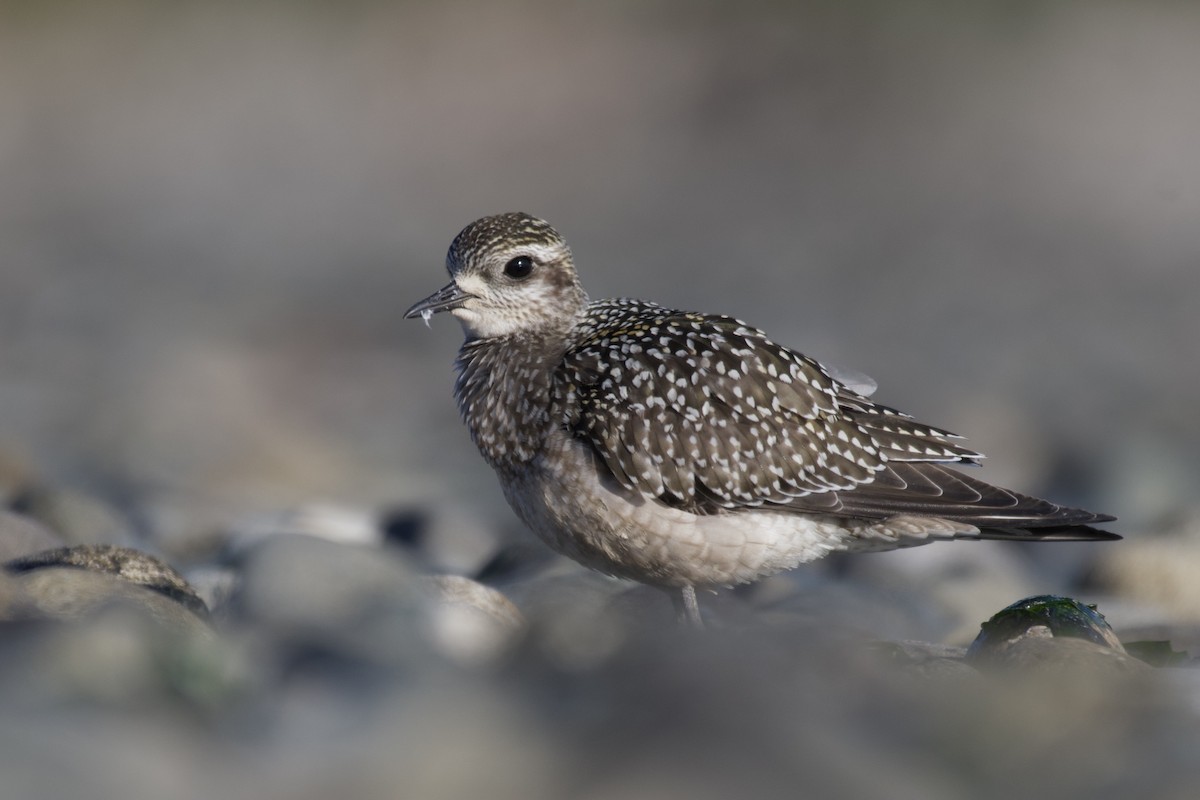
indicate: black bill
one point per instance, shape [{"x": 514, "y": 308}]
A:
[{"x": 448, "y": 298}]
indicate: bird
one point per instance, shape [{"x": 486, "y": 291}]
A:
[{"x": 690, "y": 451}]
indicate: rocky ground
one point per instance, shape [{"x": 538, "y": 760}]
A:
[
  {"x": 328, "y": 652},
  {"x": 250, "y": 551}
]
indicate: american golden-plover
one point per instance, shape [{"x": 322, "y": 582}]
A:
[{"x": 688, "y": 450}]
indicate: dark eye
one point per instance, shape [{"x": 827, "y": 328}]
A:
[{"x": 519, "y": 267}]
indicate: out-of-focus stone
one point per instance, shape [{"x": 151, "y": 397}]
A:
[
  {"x": 472, "y": 623},
  {"x": 126, "y": 651},
  {"x": 362, "y": 601},
  {"x": 21, "y": 536},
  {"x": 1058, "y": 617},
  {"x": 75, "y": 583},
  {"x": 72, "y": 594},
  {"x": 333, "y": 523},
  {"x": 1160, "y": 571},
  {"x": 453, "y": 738},
  {"x": 925, "y": 659},
  {"x": 215, "y": 585},
  {"x": 1049, "y": 634},
  {"x": 1183, "y": 639},
  {"x": 577, "y": 617},
  {"x": 186, "y": 527},
  {"x": 133, "y": 566},
  {"x": 449, "y": 540},
  {"x": 78, "y": 517}
]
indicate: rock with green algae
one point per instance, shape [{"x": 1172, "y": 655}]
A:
[{"x": 1050, "y": 633}]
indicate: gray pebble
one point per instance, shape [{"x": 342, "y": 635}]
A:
[
  {"x": 360, "y": 601},
  {"x": 215, "y": 585},
  {"x": 125, "y": 563},
  {"x": 72, "y": 594},
  {"x": 448, "y": 540},
  {"x": 472, "y": 623},
  {"x": 334, "y": 523}
]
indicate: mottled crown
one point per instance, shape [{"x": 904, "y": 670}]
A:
[{"x": 500, "y": 234}]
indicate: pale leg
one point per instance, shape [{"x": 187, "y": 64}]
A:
[{"x": 686, "y": 607}]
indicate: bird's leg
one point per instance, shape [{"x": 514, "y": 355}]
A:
[{"x": 687, "y": 609}]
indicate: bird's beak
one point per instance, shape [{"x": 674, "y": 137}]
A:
[{"x": 448, "y": 298}]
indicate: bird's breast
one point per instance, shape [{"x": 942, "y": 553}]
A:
[{"x": 503, "y": 392}]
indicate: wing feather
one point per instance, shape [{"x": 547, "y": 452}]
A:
[{"x": 708, "y": 414}]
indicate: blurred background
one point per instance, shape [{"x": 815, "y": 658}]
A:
[{"x": 212, "y": 216}]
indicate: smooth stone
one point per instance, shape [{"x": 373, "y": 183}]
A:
[
  {"x": 134, "y": 566},
  {"x": 130, "y": 650},
  {"x": 472, "y": 623},
  {"x": 72, "y": 594},
  {"x": 1061, "y": 617},
  {"x": 216, "y": 585},
  {"x": 352, "y": 600},
  {"x": 1048, "y": 634},
  {"x": 448, "y": 540},
  {"x": 579, "y": 618},
  {"x": 334, "y": 523}
]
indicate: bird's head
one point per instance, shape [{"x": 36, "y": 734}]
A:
[{"x": 509, "y": 273}]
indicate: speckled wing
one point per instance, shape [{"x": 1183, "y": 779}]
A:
[{"x": 704, "y": 413}]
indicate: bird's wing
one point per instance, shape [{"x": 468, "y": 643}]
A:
[
  {"x": 924, "y": 489},
  {"x": 704, "y": 412}
]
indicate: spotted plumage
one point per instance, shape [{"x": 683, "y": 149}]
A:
[
  {"x": 686, "y": 449},
  {"x": 706, "y": 413}
]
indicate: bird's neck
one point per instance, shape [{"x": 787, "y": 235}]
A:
[{"x": 503, "y": 391}]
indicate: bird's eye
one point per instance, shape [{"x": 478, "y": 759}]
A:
[{"x": 519, "y": 267}]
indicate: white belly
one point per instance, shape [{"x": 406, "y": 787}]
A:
[{"x": 579, "y": 510}]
